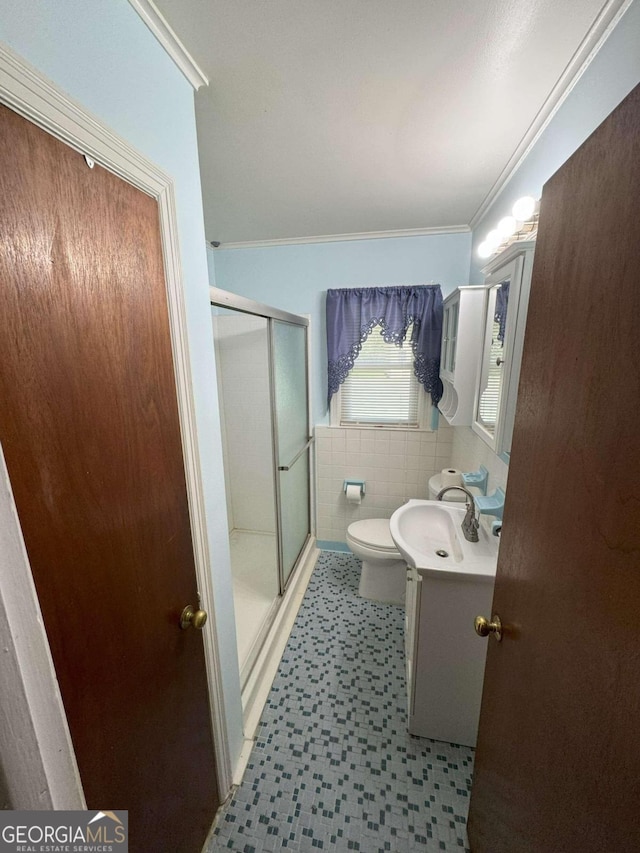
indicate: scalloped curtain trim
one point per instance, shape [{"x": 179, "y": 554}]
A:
[
  {"x": 502, "y": 306},
  {"x": 426, "y": 365}
]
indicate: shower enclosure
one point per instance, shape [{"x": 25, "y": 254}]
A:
[{"x": 262, "y": 375}]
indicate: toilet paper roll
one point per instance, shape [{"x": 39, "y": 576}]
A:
[
  {"x": 353, "y": 495},
  {"x": 451, "y": 477}
]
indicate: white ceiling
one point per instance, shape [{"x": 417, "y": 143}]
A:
[{"x": 325, "y": 117}]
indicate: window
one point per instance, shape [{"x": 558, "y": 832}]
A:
[
  {"x": 381, "y": 388},
  {"x": 378, "y": 382}
]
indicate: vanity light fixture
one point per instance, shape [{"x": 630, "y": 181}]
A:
[
  {"x": 521, "y": 223},
  {"x": 507, "y": 226},
  {"x": 485, "y": 250},
  {"x": 493, "y": 238},
  {"x": 524, "y": 208}
]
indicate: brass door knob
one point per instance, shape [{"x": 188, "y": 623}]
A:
[
  {"x": 190, "y": 617},
  {"x": 484, "y": 628}
]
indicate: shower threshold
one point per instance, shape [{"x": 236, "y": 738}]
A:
[{"x": 256, "y": 683}]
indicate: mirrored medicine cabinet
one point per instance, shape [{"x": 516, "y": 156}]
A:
[{"x": 507, "y": 284}]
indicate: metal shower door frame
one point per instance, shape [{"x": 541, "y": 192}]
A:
[{"x": 224, "y": 299}]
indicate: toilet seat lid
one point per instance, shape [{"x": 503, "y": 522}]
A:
[{"x": 373, "y": 532}]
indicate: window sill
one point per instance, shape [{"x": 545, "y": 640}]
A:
[{"x": 374, "y": 428}]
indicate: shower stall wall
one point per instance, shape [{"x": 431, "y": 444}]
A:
[{"x": 261, "y": 364}]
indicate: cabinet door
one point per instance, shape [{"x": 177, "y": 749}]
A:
[
  {"x": 444, "y": 357},
  {"x": 411, "y": 623},
  {"x": 453, "y": 335},
  {"x": 496, "y": 363},
  {"x": 449, "y": 337},
  {"x": 497, "y": 387}
]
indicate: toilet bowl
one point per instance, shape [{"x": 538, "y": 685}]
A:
[{"x": 384, "y": 570}]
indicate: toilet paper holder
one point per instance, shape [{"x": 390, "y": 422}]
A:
[{"x": 359, "y": 483}]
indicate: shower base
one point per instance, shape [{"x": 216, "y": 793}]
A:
[{"x": 254, "y": 570}]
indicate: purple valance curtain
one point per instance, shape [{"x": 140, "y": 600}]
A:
[
  {"x": 352, "y": 313},
  {"x": 502, "y": 304}
]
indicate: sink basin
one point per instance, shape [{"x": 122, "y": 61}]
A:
[{"x": 428, "y": 534}]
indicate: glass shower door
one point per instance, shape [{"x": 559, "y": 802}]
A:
[
  {"x": 291, "y": 406},
  {"x": 242, "y": 348}
]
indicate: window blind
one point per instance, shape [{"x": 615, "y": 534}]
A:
[{"x": 381, "y": 388}]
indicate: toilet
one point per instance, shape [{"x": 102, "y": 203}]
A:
[
  {"x": 435, "y": 487},
  {"x": 383, "y": 567},
  {"x": 383, "y": 576}
]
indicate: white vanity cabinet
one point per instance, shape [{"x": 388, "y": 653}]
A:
[
  {"x": 462, "y": 330},
  {"x": 445, "y": 657}
]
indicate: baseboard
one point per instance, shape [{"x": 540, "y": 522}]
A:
[{"x": 326, "y": 545}]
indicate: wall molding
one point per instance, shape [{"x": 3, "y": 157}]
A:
[
  {"x": 158, "y": 25},
  {"x": 339, "y": 238},
  {"x": 600, "y": 31},
  {"x": 38, "y": 761},
  {"x": 30, "y": 94}
]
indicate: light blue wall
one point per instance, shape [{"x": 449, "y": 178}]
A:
[
  {"x": 614, "y": 72},
  {"x": 296, "y": 278},
  {"x": 102, "y": 55}
]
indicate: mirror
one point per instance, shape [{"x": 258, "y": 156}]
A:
[
  {"x": 507, "y": 296},
  {"x": 492, "y": 372}
]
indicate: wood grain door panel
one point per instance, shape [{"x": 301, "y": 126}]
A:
[
  {"x": 89, "y": 427},
  {"x": 558, "y": 758}
]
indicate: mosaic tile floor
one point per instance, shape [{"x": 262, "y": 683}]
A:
[{"x": 333, "y": 767}]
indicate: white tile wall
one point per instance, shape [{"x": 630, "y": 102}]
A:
[
  {"x": 470, "y": 451},
  {"x": 395, "y": 464},
  {"x": 243, "y": 381}
]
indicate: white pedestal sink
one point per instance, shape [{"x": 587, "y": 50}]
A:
[{"x": 449, "y": 583}]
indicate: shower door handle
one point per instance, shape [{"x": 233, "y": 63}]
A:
[{"x": 296, "y": 457}]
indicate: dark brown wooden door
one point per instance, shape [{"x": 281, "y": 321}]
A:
[
  {"x": 89, "y": 427},
  {"x": 558, "y": 759}
]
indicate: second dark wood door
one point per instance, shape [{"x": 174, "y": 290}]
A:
[{"x": 558, "y": 760}]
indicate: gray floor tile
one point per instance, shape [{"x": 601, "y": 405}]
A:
[{"x": 333, "y": 767}]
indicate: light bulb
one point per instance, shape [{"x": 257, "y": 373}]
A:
[
  {"x": 485, "y": 250},
  {"x": 524, "y": 208},
  {"x": 507, "y": 226},
  {"x": 493, "y": 238}
]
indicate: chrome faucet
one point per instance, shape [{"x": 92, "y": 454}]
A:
[{"x": 470, "y": 523}]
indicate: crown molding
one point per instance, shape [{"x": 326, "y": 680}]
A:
[
  {"x": 152, "y": 17},
  {"x": 599, "y": 32},
  {"x": 339, "y": 238}
]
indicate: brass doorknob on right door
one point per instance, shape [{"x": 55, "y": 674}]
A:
[
  {"x": 190, "y": 617},
  {"x": 484, "y": 627}
]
